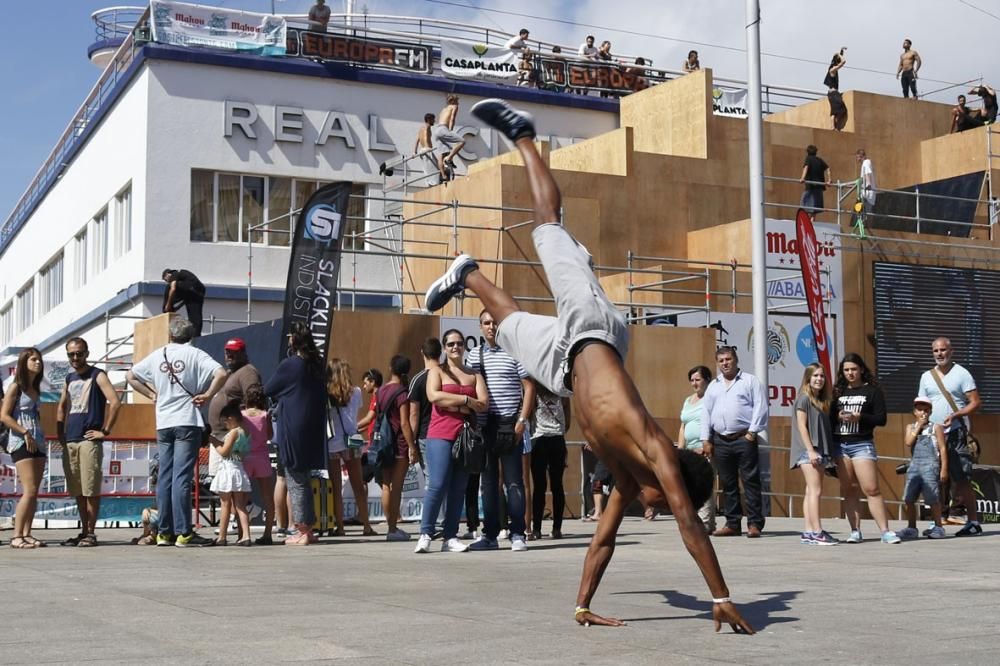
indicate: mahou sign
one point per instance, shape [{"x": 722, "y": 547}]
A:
[{"x": 809, "y": 262}]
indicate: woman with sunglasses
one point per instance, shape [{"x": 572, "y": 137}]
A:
[
  {"x": 26, "y": 443},
  {"x": 456, "y": 393}
]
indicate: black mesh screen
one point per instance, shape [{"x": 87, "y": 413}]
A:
[{"x": 915, "y": 304}]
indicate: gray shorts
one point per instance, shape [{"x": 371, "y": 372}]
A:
[
  {"x": 542, "y": 343},
  {"x": 443, "y": 137}
]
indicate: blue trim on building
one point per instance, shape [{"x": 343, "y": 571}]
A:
[
  {"x": 216, "y": 292},
  {"x": 103, "y": 45},
  {"x": 302, "y": 67}
]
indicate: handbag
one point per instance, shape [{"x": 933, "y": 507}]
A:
[
  {"x": 352, "y": 442},
  {"x": 971, "y": 442},
  {"x": 505, "y": 438},
  {"x": 206, "y": 428},
  {"x": 469, "y": 449}
]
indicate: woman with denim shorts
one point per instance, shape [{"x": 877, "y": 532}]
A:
[
  {"x": 812, "y": 445},
  {"x": 858, "y": 408}
]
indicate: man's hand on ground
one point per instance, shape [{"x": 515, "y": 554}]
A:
[
  {"x": 727, "y": 612},
  {"x": 587, "y": 618}
]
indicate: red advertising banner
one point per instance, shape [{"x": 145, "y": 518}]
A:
[{"x": 805, "y": 235}]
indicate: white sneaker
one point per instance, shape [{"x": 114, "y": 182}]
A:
[
  {"x": 397, "y": 535},
  {"x": 517, "y": 543},
  {"x": 504, "y": 534},
  {"x": 423, "y": 544},
  {"x": 453, "y": 546}
]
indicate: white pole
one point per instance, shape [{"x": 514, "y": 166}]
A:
[
  {"x": 755, "y": 130},
  {"x": 349, "y": 11}
]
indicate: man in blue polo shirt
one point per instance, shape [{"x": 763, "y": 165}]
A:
[
  {"x": 512, "y": 399},
  {"x": 735, "y": 413}
]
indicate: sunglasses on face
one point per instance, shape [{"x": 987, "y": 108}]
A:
[
  {"x": 454, "y": 343},
  {"x": 82, "y": 354}
]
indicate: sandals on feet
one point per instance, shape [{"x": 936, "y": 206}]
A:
[
  {"x": 245, "y": 543},
  {"x": 72, "y": 541},
  {"x": 20, "y": 543},
  {"x": 298, "y": 540},
  {"x": 88, "y": 541},
  {"x": 370, "y": 531},
  {"x": 35, "y": 543}
]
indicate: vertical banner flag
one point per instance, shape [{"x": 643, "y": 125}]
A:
[
  {"x": 805, "y": 235},
  {"x": 314, "y": 267},
  {"x": 184, "y": 24}
]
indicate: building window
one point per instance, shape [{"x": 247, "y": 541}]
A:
[
  {"x": 50, "y": 288},
  {"x": 80, "y": 257},
  {"x": 100, "y": 241},
  {"x": 6, "y": 325},
  {"x": 26, "y": 306},
  {"x": 123, "y": 222},
  {"x": 226, "y": 206}
]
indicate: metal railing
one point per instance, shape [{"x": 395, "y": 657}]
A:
[
  {"x": 844, "y": 214},
  {"x": 116, "y": 22}
]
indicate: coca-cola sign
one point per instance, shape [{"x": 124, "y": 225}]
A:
[{"x": 809, "y": 263}]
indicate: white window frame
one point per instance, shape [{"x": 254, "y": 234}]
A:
[
  {"x": 7, "y": 324},
  {"x": 99, "y": 244},
  {"x": 81, "y": 258},
  {"x": 123, "y": 222},
  {"x": 26, "y": 306},
  {"x": 50, "y": 283}
]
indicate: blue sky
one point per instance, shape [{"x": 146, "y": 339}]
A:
[{"x": 46, "y": 75}]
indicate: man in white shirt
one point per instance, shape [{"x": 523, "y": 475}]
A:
[
  {"x": 867, "y": 181},
  {"x": 520, "y": 42},
  {"x": 587, "y": 49},
  {"x": 961, "y": 387},
  {"x": 179, "y": 378}
]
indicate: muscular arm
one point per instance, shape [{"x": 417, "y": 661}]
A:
[
  {"x": 916, "y": 63},
  {"x": 61, "y": 415},
  {"x": 169, "y": 303},
  {"x": 602, "y": 547},
  {"x": 114, "y": 406}
]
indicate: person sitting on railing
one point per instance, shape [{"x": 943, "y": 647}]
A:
[
  {"x": 604, "y": 55},
  {"x": 319, "y": 16},
  {"x": 963, "y": 118},
  {"x": 520, "y": 42},
  {"x": 636, "y": 75},
  {"x": 446, "y": 142},
  {"x": 988, "y": 114},
  {"x": 692, "y": 64}
]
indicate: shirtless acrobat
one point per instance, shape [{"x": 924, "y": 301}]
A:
[{"x": 581, "y": 352}]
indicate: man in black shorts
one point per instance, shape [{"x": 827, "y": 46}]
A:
[{"x": 581, "y": 353}]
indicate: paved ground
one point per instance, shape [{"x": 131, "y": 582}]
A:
[{"x": 365, "y": 601}]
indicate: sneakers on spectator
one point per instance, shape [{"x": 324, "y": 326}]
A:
[
  {"x": 504, "y": 534},
  {"x": 453, "y": 546},
  {"x": 192, "y": 540},
  {"x": 398, "y": 535},
  {"x": 501, "y": 116},
  {"x": 449, "y": 285},
  {"x": 970, "y": 529},
  {"x": 423, "y": 544},
  {"x": 908, "y": 533},
  {"x": 484, "y": 543},
  {"x": 890, "y": 537},
  {"x": 517, "y": 543},
  {"x": 808, "y": 538},
  {"x": 469, "y": 534},
  {"x": 824, "y": 538},
  {"x": 164, "y": 539},
  {"x": 936, "y": 532},
  {"x": 855, "y": 537}
]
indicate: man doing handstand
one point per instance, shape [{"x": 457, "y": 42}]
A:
[{"x": 581, "y": 353}]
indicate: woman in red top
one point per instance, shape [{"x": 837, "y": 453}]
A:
[{"x": 456, "y": 393}]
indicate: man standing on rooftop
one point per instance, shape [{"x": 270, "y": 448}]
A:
[
  {"x": 319, "y": 16},
  {"x": 909, "y": 63}
]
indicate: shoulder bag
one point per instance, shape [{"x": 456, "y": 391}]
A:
[
  {"x": 206, "y": 429},
  {"x": 505, "y": 439},
  {"x": 971, "y": 443},
  {"x": 469, "y": 449}
]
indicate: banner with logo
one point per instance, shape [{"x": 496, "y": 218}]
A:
[
  {"x": 808, "y": 248},
  {"x": 358, "y": 51},
  {"x": 314, "y": 266},
  {"x": 183, "y": 24},
  {"x": 465, "y": 60},
  {"x": 558, "y": 73},
  {"x": 732, "y": 103},
  {"x": 986, "y": 486}
]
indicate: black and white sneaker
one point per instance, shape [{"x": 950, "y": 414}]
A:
[
  {"x": 501, "y": 116},
  {"x": 449, "y": 285}
]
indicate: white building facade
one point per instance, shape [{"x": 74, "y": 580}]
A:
[{"x": 193, "y": 148}]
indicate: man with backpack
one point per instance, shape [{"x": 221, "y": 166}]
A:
[
  {"x": 512, "y": 400},
  {"x": 393, "y": 443}
]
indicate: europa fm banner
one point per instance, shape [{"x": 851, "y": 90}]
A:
[
  {"x": 465, "y": 60},
  {"x": 314, "y": 267},
  {"x": 183, "y": 24},
  {"x": 808, "y": 248}
]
